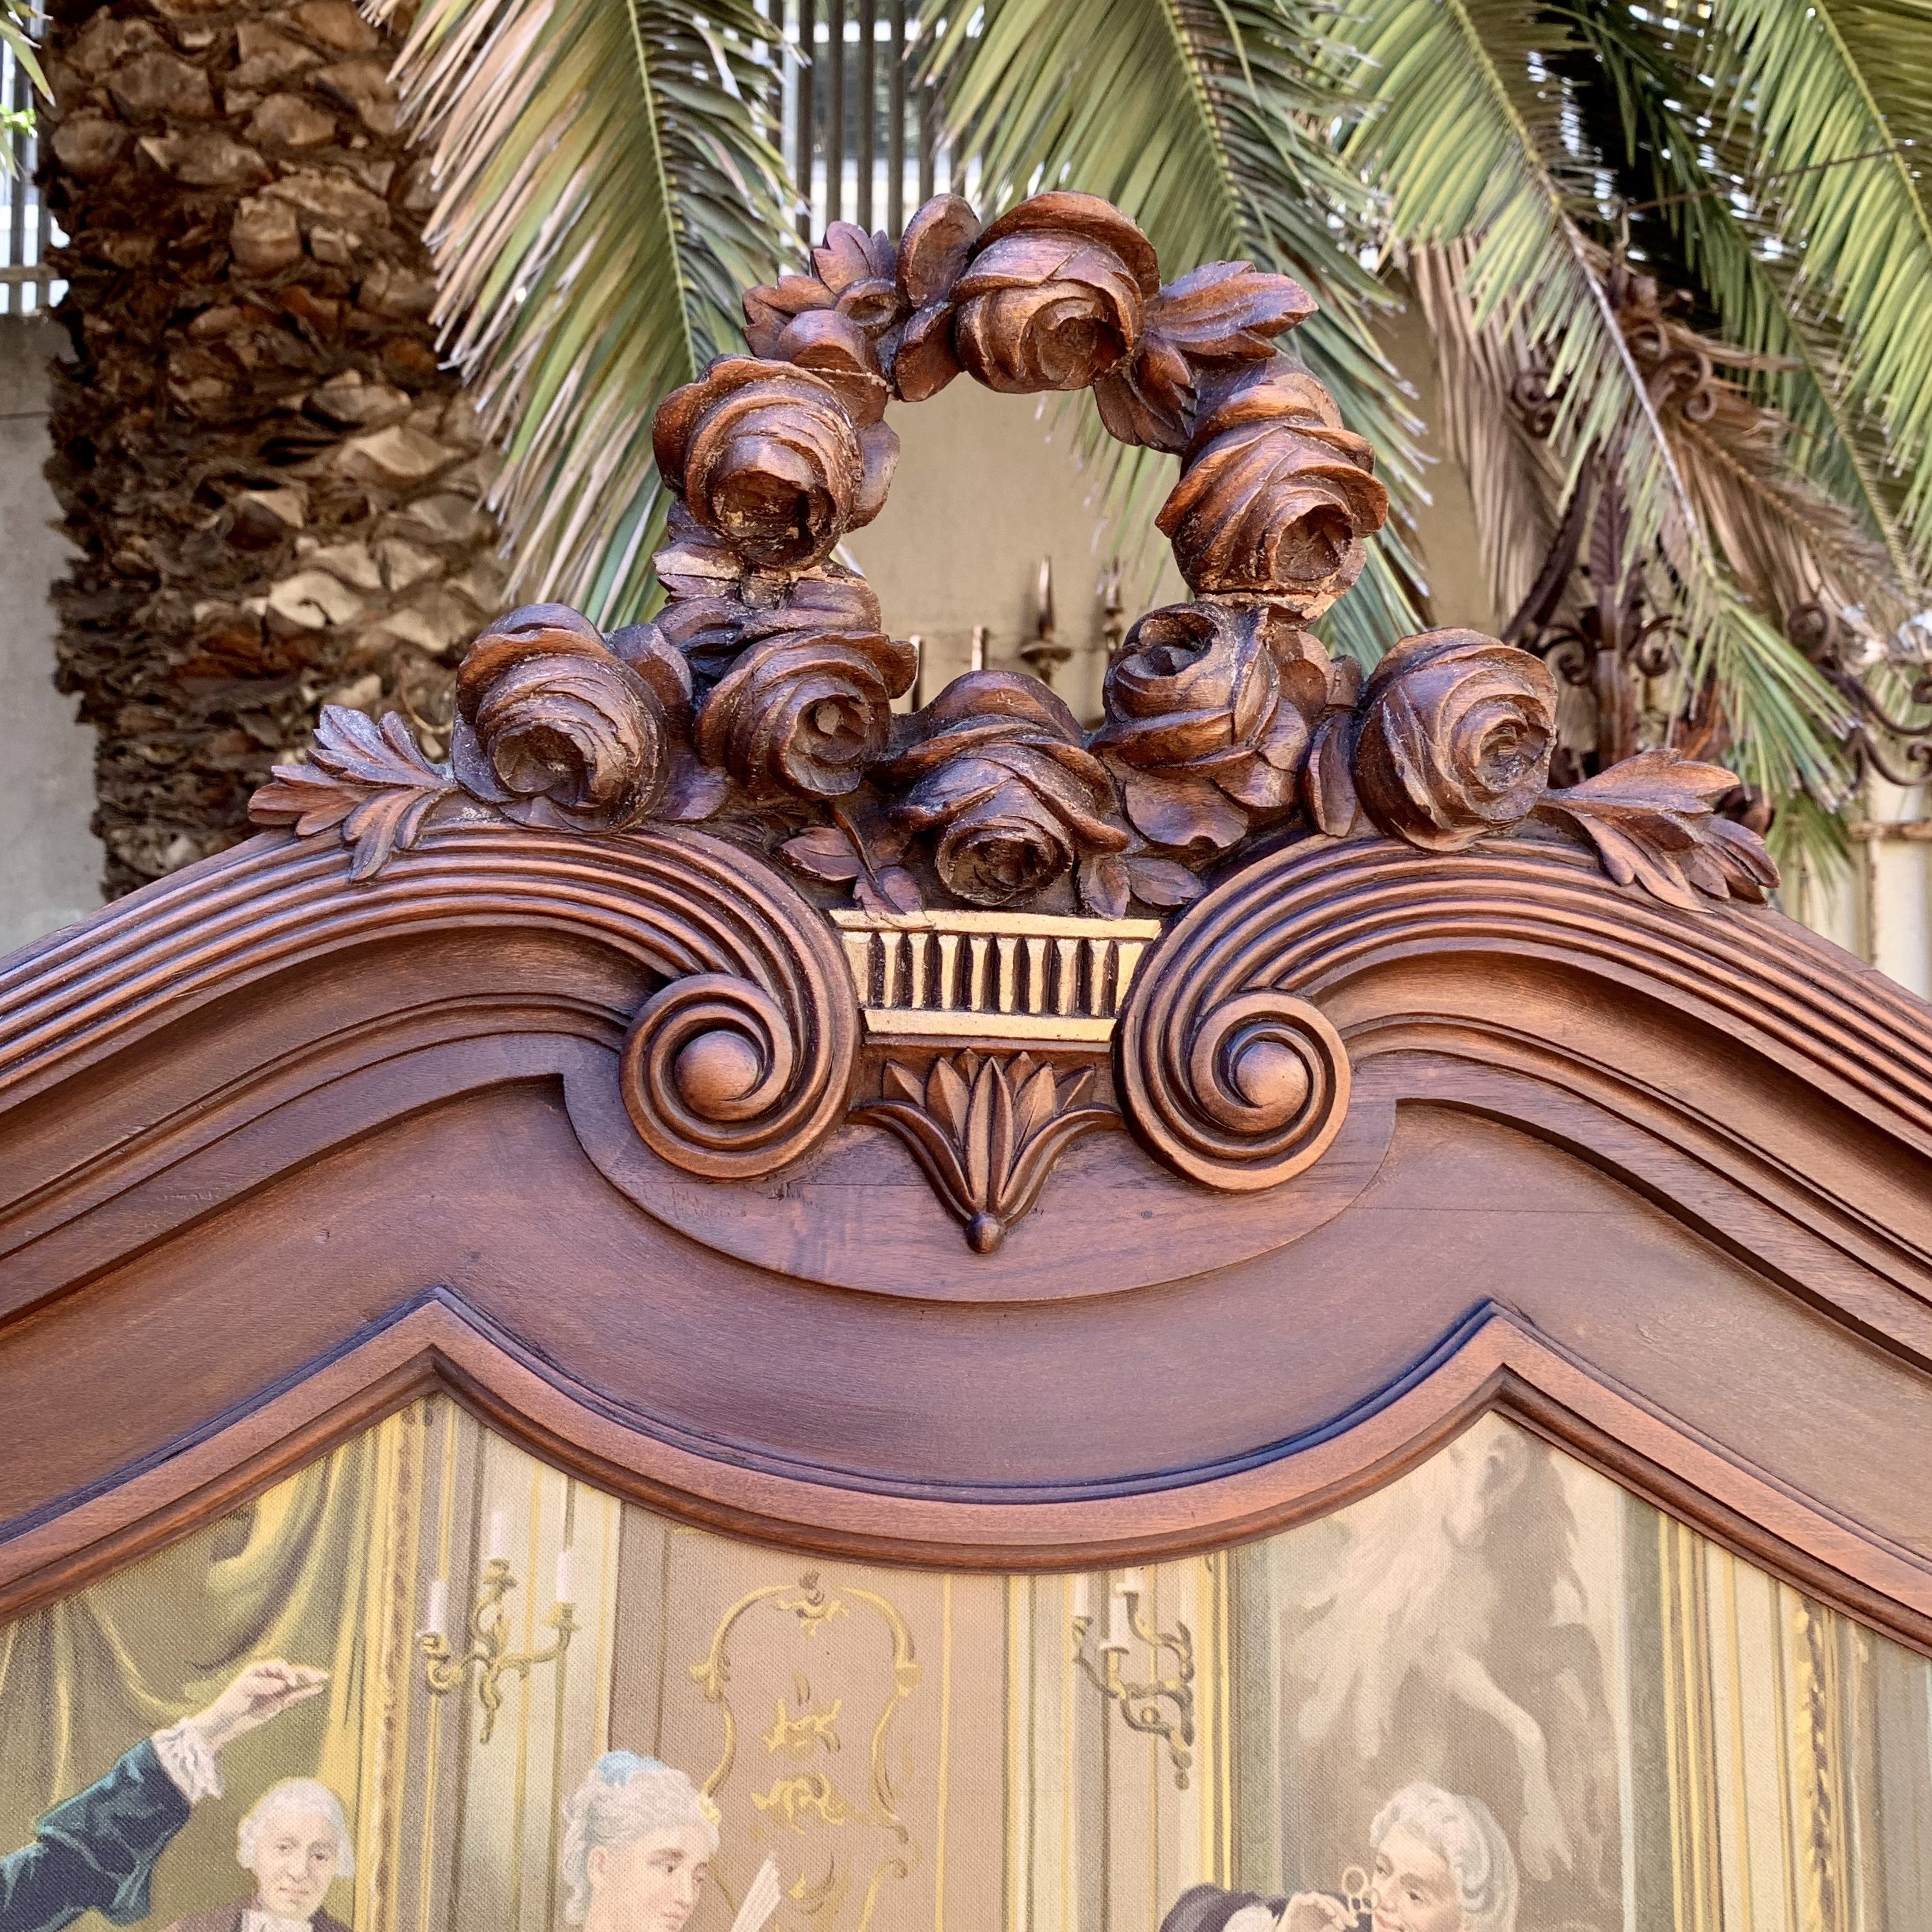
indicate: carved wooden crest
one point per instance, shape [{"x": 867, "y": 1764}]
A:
[{"x": 988, "y": 875}]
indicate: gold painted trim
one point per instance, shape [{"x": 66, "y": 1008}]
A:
[{"x": 991, "y": 977}]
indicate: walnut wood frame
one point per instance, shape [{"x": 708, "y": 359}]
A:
[
  {"x": 278, "y": 1155},
  {"x": 553, "y": 1078}
]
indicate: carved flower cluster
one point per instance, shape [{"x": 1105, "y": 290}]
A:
[
  {"x": 761, "y": 696},
  {"x": 779, "y": 454}
]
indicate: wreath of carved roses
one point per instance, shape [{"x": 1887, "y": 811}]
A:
[{"x": 761, "y": 697}]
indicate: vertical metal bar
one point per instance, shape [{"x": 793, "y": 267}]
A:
[
  {"x": 868, "y": 107},
  {"x": 22, "y": 98},
  {"x": 929, "y": 143},
  {"x": 834, "y": 115},
  {"x": 807, "y": 95},
  {"x": 895, "y": 80}
]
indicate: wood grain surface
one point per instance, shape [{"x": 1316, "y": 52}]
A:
[{"x": 278, "y": 1153}]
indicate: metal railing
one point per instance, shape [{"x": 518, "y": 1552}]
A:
[
  {"x": 26, "y": 228},
  {"x": 860, "y": 129},
  {"x": 27, "y": 231}
]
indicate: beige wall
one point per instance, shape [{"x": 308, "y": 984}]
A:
[
  {"x": 987, "y": 485},
  {"x": 49, "y": 860}
]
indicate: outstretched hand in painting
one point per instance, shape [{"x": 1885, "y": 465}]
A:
[{"x": 96, "y": 1851}]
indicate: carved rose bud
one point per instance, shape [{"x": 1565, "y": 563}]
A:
[
  {"x": 999, "y": 773},
  {"x": 1275, "y": 495},
  {"x": 768, "y": 458},
  {"x": 1209, "y": 707},
  {"x": 556, "y": 727},
  {"x": 806, "y": 710},
  {"x": 1455, "y": 737},
  {"x": 1053, "y": 295}
]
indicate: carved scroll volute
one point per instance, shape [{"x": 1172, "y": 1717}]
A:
[
  {"x": 730, "y": 1074},
  {"x": 1238, "y": 1088}
]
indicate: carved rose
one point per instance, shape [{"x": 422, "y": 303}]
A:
[
  {"x": 768, "y": 458},
  {"x": 1275, "y": 495},
  {"x": 556, "y": 727},
  {"x": 1207, "y": 705},
  {"x": 854, "y": 273},
  {"x": 1455, "y": 737},
  {"x": 806, "y": 710},
  {"x": 998, "y": 772},
  {"x": 1053, "y": 295}
]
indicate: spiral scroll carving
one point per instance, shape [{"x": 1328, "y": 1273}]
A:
[
  {"x": 708, "y": 1077},
  {"x": 1237, "y": 1090}
]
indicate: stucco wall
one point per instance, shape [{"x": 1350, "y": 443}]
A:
[{"x": 49, "y": 860}]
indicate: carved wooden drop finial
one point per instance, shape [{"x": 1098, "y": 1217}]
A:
[{"x": 759, "y": 700}]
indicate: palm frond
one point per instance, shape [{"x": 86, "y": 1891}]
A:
[
  {"x": 1825, "y": 93},
  {"x": 604, "y": 191},
  {"x": 1206, "y": 121},
  {"x": 1470, "y": 140},
  {"x": 1660, "y": 68}
]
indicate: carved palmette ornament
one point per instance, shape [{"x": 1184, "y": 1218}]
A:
[{"x": 759, "y": 700}]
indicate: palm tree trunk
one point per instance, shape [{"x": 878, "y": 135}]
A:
[{"x": 275, "y": 489}]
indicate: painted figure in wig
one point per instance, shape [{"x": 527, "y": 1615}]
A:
[
  {"x": 95, "y": 1852},
  {"x": 295, "y": 1844},
  {"x": 1438, "y": 1863},
  {"x": 639, "y": 1838}
]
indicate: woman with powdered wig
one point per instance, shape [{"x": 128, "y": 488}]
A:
[
  {"x": 638, "y": 1840},
  {"x": 1440, "y": 1864}
]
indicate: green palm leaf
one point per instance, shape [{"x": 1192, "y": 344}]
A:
[
  {"x": 17, "y": 20},
  {"x": 1662, "y": 74},
  {"x": 605, "y": 193},
  {"x": 1467, "y": 139},
  {"x": 1205, "y": 121},
  {"x": 1831, "y": 82}
]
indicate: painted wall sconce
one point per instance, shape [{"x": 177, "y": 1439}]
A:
[
  {"x": 1163, "y": 1706},
  {"x": 488, "y": 1652}
]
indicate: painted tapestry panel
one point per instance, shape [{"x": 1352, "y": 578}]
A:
[{"x": 430, "y": 1685}]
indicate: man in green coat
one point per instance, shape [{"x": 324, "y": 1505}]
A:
[{"x": 96, "y": 1850}]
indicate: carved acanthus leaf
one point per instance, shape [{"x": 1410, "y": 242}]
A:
[
  {"x": 1654, "y": 822},
  {"x": 372, "y": 780},
  {"x": 1221, "y": 314},
  {"x": 987, "y": 1132}
]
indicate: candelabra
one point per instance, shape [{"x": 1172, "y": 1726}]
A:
[
  {"x": 1144, "y": 1707},
  {"x": 488, "y": 1651},
  {"x": 1045, "y": 653}
]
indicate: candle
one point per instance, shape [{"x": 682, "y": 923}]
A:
[
  {"x": 563, "y": 1595},
  {"x": 436, "y": 1622},
  {"x": 498, "y": 1544},
  {"x": 1120, "y": 1637},
  {"x": 1133, "y": 1582},
  {"x": 1083, "y": 1597}
]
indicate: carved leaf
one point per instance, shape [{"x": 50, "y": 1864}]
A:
[
  {"x": 1652, "y": 821},
  {"x": 985, "y": 1132},
  {"x": 1105, "y": 886},
  {"x": 891, "y": 888},
  {"x": 1328, "y": 782},
  {"x": 1162, "y": 882},
  {"x": 938, "y": 239},
  {"x": 1038, "y": 1100},
  {"x": 824, "y": 853},
  {"x": 1223, "y": 313},
  {"x": 947, "y": 1095},
  {"x": 1171, "y": 812},
  {"x": 372, "y": 780}
]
